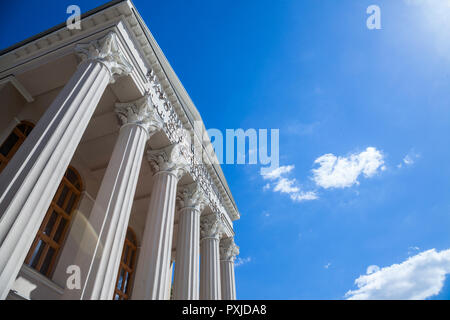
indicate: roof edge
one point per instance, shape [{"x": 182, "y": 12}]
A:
[{"x": 59, "y": 26}]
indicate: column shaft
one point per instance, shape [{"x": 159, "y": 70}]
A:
[
  {"x": 187, "y": 255},
  {"x": 151, "y": 282},
  {"x": 210, "y": 269},
  {"x": 29, "y": 181},
  {"x": 111, "y": 211},
  {"x": 228, "y": 281}
]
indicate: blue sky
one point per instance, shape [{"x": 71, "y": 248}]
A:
[{"x": 313, "y": 70}]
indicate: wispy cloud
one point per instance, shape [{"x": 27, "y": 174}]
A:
[
  {"x": 409, "y": 159},
  {"x": 419, "y": 277},
  {"x": 280, "y": 183},
  {"x": 412, "y": 250},
  {"x": 241, "y": 261},
  {"x": 342, "y": 172},
  {"x": 277, "y": 173},
  {"x": 328, "y": 265}
]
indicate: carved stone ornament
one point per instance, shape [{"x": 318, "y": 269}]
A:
[
  {"x": 106, "y": 51},
  {"x": 168, "y": 159},
  {"x": 140, "y": 112},
  {"x": 191, "y": 196},
  {"x": 211, "y": 226},
  {"x": 228, "y": 249}
]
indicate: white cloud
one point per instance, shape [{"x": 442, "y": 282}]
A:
[
  {"x": 327, "y": 265},
  {"x": 282, "y": 184},
  {"x": 277, "y": 173},
  {"x": 408, "y": 160},
  {"x": 240, "y": 261},
  {"x": 419, "y": 277},
  {"x": 342, "y": 172},
  {"x": 373, "y": 268}
]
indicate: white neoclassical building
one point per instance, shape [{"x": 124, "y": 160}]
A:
[{"x": 108, "y": 185}]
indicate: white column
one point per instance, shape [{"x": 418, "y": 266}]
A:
[
  {"x": 211, "y": 228},
  {"x": 187, "y": 266},
  {"x": 30, "y": 180},
  {"x": 111, "y": 211},
  {"x": 151, "y": 282},
  {"x": 228, "y": 252}
]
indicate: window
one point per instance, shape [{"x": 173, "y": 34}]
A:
[
  {"x": 51, "y": 234},
  {"x": 13, "y": 142},
  {"x": 126, "y": 269}
]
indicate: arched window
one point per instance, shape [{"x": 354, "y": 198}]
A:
[
  {"x": 51, "y": 234},
  {"x": 13, "y": 142},
  {"x": 127, "y": 266}
]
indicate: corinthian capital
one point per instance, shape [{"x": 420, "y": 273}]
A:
[
  {"x": 191, "y": 196},
  {"x": 140, "y": 112},
  {"x": 168, "y": 159},
  {"x": 211, "y": 226},
  {"x": 106, "y": 51},
  {"x": 228, "y": 249}
]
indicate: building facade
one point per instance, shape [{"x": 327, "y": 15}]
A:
[{"x": 109, "y": 186}]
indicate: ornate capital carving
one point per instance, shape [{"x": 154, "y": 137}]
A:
[
  {"x": 168, "y": 159},
  {"x": 140, "y": 112},
  {"x": 106, "y": 51},
  {"x": 191, "y": 196},
  {"x": 211, "y": 226},
  {"x": 228, "y": 249}
]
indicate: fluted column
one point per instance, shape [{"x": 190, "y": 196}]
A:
[
  {"x": 30, "y": 180},
  {"x": 111, "y": 211},
  {"x": 211, "y": 228},
  {"x": 228, "y": 253},
  {"x": 151, "y": 282},
  {"x": 187, "y": 266}
]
